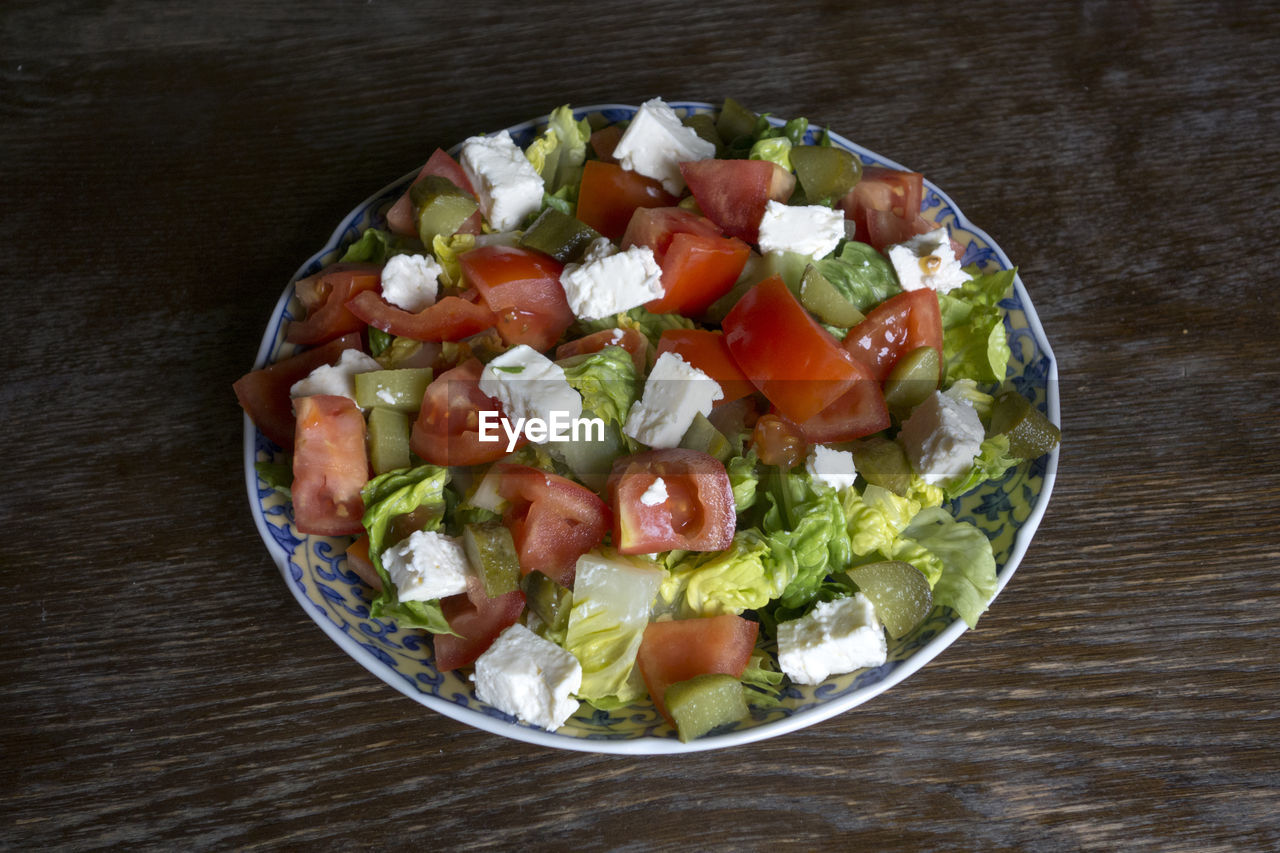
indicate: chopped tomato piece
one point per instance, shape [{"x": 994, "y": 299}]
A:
[
  {"x": 264, "y": 393},
  {"x": 697, "y": 513},
  {"x": 604, "y": 140},
  {"x": 891, "y": 191},
  {"x": 478, "y": 619},
  {"x": 631, "y": 340},
  {"x": 698, "y": 270},
  {"x": 400, "y": 214},
  {"x": 522, "y": 287},
  {"x": 452, "y": 318},
  {"x": 656, "y": 227},
  {"x": 330, "y": 466},
  {"x": 858, "y": 412},
  {"x": 706, "y": 350},
  {"x": 325, "y": 296},
  {"x": 447, "y": 431},
  {"x": 553, "y": 520},
  {"x": 610, "y": 194},
  {"x": 778, "y": 441},
  {"x": 359, "y": 562},
  {"x": 894, "y": 328},
  {"x": 733, "y": 193},
  {"x": 671, "y": 652},
  {"x": 794, "y": 362}
]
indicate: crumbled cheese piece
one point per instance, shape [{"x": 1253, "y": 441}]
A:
[
  {"x": 530, "y": 385},
  {"x": 530, "y": 678},
  {"x": 656, "y": 493},
  {"x": 656, "y": 142},
  {"x": 941, "y": 437},
  {"x": 335, "y": 379},
  {"x": 927, "y": 260},
  {"x": 832, "y": 467},
  {"x": 427, "y": 565},
  {"x": 411, "y": 282},
  {"x": 507, "y": 186},
  {"x": 674, "y": 394},
  {"x": 811, "y": 230},
  {"x": 834, "y": 638},
  {"x": 607, "y": 282}
]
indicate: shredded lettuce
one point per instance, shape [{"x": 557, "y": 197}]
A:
[
  {"x": 386, "y": 497},
  {"x": 876, "y": 518},
  {"x": 447, "y": 251},
  {"x": 650, "y": 325},
  {"x": 974, "y": 342},
  {"x": 612, "y": 602},
  {"x": 775, "y": 150},
  {"x": 606, "y": 380},
  {"x": 743, "y": 479},
  {"x": 960, "y": 554},
  {"x": 745, "y": 576},
  {"x": 861, "y": 274},
  {"x": 375, "y": 246},
  {"x": 992, "y": 461},
  {"x": 763, "y": 682},
  {"x": 807, "y": 532},
  {"x": 558, "y": 154}
]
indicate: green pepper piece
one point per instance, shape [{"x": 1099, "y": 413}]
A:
[
  {"x": 704, "y": 702},
  {"x": 388, "y": 439},
  {"x": 705, "y": 438},
  {"x": 735, "y": 121},
  {"x": 440, "y": 207},
  {"x": 822, "y": 298},
  {"x": 825, "y": 173},
  {"x": 401, "y": 389},
  {"x": 1031, "y": 434},
  {"x": 883, "y": 463},
  {"x": 559, "y": 235},
  {"x": 492, "y": 553},
  {"x": 913, "y": 378}
]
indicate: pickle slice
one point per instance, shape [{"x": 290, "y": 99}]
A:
[
  {"x": 492, "y": 553},
  {"x": 899, "y": 592},
  {"x": 1031, "y": 434},
  {"x": 734, "y": 121},
  {"x": 884, "y": 463},
  {"x": 913, "y": 378},
  {"x": 705, "y": 438},
  {"x": 549, "y": 601},
  {"x": 705, "y": 702},
  {"x": 400, "y": 389},
  {"x": 825, "y": 172},
  {"x": 822, "y": 299},
  {"x": 559, "y": 235},
  {"x": 388, "y": 439},
  {"x": 440, "y": 207}
]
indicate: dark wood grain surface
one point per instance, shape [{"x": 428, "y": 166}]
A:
[{"x": 168, "y": 165}]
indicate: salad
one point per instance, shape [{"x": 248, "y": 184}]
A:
[{"x": 661, "y": 411}]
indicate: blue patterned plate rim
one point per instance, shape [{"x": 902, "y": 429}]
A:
[{"x": 876, "y": 681}]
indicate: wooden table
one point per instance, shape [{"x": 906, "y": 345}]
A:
[{"x": 167, "y": 166}]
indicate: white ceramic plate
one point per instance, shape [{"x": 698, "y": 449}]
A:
[{"x": 1007, "y": 510}]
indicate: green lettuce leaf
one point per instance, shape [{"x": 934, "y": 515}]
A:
[
  {"x": 606, "y": 380},
  {"x": 612, "y": 601},
  {"x": 558, "y": 154},
  {"x": 386, "y": 497},
  {"x": 745, "y": 576},
  {"x": 650, "y": 325},
  {"x": 974, "y": 342},
  {"x": 807, "y": 532},
  {"x": 861, "y": 274},
  {"x": 876, "y": 518},
  {"x": 776, "y": 150},
  {"x": 960, "y": 554},
  {"x": 762, "y": 680},
  {"x": 743, "y": 479},
  {"x": 375, "y": 246},
  {"x": 992, "y": 461}
]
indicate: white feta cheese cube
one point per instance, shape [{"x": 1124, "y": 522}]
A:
[
  {"x": 427, "y": 565},
  {"x": 833, "y": 467},
  {"x": 411, "y": 282},
  {"x": 656, "y": 142},
  {"x": 608, "y": 281},
  {"x": 941, "y": 438},
  {"x": 506, "y": 184},
  {"x": 335, "y": 379},
  {"x": 530, "y": 678},
  {"x": 674, "y": 394},
  {"x": 834, "y": 638},
  {"x": 811, "y": 230},
  {"x": 656, "y": 493},
  {"x": 927, "y": 260},
  {"x": 530, "y": 386}
]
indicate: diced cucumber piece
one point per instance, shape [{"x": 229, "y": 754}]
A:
[
  {"x": 899, "y": 592},
  {"x": 440, "y": 207},
  {"x": 388, "y": 439},
  {"x": 492, "y": 553},
  {"x": 822, "y": 298},
  {"x": 734, "y": 121},
  {"x": 705, "y": 438},
  {"x": 549, "y": 601},
  {"x": 559, "y": 235},
  {"x": 401, "y": 389},
  {"x": 705, "y": 702},
  {"x": 825, "y": 172},
  {"x": 1031, "y": 434},
  {"x": 915, "y": 376},
  {"x": 884, "y": 463}
]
